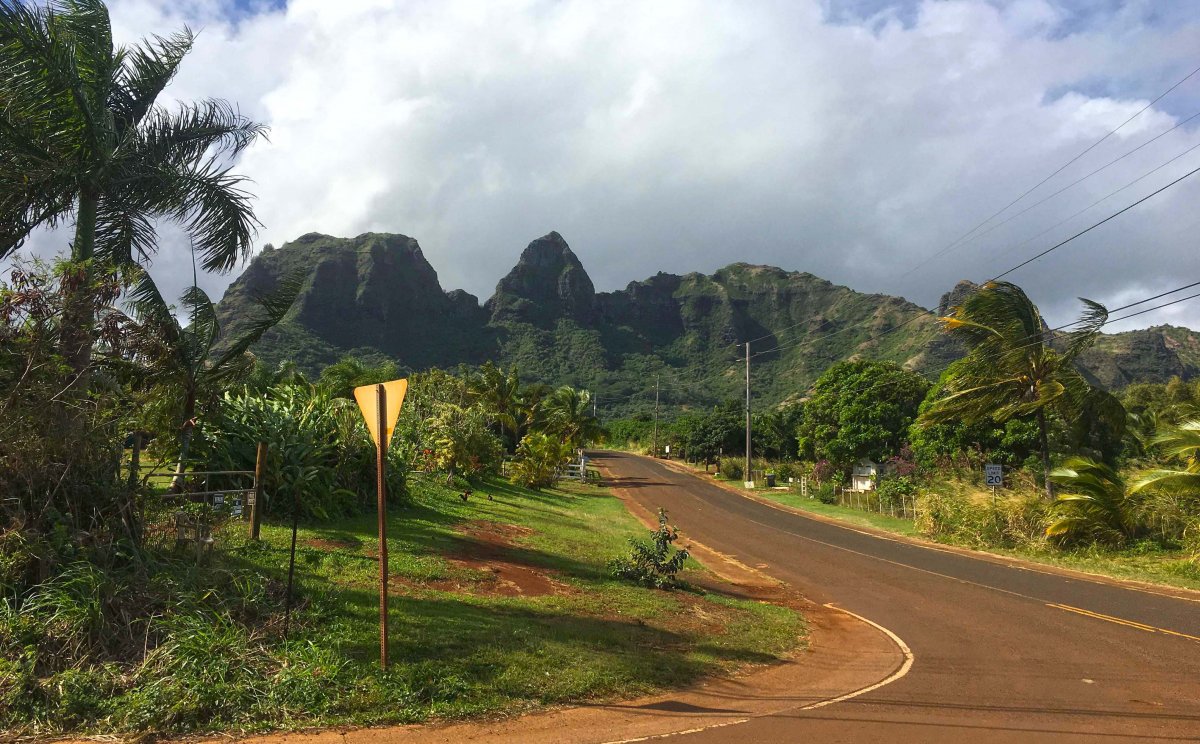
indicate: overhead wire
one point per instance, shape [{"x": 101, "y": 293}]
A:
[{"x": 1060, "y": 169}]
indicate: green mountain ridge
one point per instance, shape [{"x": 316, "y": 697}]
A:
[{"x": 377, "y": 296}]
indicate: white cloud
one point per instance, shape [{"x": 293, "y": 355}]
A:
[{"x": 682, "y": 136}]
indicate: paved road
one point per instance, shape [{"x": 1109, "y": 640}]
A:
[{"x": 1000, "y": 653}]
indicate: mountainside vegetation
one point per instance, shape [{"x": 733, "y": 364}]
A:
[{"x": 377, "y": 298}]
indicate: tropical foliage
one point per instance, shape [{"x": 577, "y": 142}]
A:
[
  {"x": 1011, "y": 369},
  {"x": 860, "y": 410},
  {"x": 1096, "y": 504},
  {"x": 654, "y": 562},
  {"x": 84, "y": 140}
]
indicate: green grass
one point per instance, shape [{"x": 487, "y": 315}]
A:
[
  {"x": 458, "y": 650},
  {"x": 1140, "y": 562},
  {"x": 857, "y": 517}
]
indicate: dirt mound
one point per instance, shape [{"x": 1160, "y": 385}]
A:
[{"x": 507, "y": 571}]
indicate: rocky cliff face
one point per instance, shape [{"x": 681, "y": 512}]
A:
[
  {"x": 377, "y": 295},
  {"x": 375, "y": 292},
  {"x": 548, "y": 283}
]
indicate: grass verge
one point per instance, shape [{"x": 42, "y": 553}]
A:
[
  {"x": 498, "y": 606},
  {"x": 1143, "y": 561}
]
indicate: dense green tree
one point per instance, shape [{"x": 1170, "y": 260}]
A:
[
  {"x": 860, "y": 409},
  {"x": 1011, "y": 370},
  {"x": 82, "y": 139},
  {"x": 1009, "y": 443},
  {"x": 499, "y": 393},
  {"x": 773, "y": 432},
  {"x": 707, "y": 434}
]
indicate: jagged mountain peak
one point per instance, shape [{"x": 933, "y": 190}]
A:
[
  {"x": 548, "y": 283},
  {"x": 377, "y": 295}
]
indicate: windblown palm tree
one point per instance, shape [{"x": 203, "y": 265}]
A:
[
  {"x": 1011, "y": 370},
  {"x": 195, "y": 357},
  {"x": 1097, "y": 504},
  {"x": 83, "y": 140},
  {"x": 1182, "y": 441}
]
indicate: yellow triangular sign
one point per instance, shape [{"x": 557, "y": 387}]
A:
[{"x": 368, "y": 402}]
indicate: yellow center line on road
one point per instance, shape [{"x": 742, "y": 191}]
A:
[{"x": 1121, "y": 621}]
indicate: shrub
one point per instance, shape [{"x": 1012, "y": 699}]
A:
[
  {"x": 654, "y": 562},
  {"x": 1096, "y": 506},
  {"x": 463, "y": 442},
  {"x": 732, "y": 468},
  {"x": 896, "y": 489},
  {"x": 318, "y": 449},
  {"x": 539, "y": 459},
  {"x": 1009, "y": 523},
  {"x": 825, "y": 492}
]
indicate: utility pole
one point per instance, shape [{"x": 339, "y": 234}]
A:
[
  {"x": 655, "y": 453},
  {"x": 749, "y": 479}
]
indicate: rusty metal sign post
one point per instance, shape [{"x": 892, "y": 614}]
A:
[{"x": 380, "y": 406}]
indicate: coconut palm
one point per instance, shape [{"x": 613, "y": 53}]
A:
[
  {"x": 194, "y": 357},
  {"x": 1011, "y": 370},
  {"x": 567, "y": 415},
  {"x": 1096, "y": 505},
  {"x": 83, "y": 141}
]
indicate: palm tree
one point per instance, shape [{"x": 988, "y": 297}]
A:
[
  {"x": 568, "y": 416},
  {"x": 499, "y": 393},
  {"x": 1182, "y": 441},
  {"x": 83, "y": 140},
  {"x": 1011, "y": 370},
  {"x": 195, "y": 357},
  {"x": 1097, "y": 504}
]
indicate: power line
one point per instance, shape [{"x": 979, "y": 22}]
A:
[
  {"x": 1098, "y": 224},
  {"x": 1061, "y": 168},
  {"x": 1071, "y": 185}
]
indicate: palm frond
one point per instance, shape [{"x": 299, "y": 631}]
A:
[
  {"x": 146, "y": 71},
  {"x": 187, "y": 135},
  {"x": 124, "y": 233},
  {"x": 215, "y": 212},
  {"x": 1087, "y": 329},
  {"x": 1167, "y": 480},
  {"x": 272, "y": 308}
]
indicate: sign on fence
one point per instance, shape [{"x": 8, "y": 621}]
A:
[{"x": 993, "y": 475}]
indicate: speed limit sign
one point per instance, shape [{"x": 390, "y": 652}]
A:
[{"x": 993, "y": 475}]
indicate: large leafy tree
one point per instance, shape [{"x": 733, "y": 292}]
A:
[
  {"x": 1010, "y": 442},
  {"x": 1011, "y": 369},
  {"x": 860, "y": 409},
  {"x": 189, "y": 359},
  {"x": 84, "y": 141}
]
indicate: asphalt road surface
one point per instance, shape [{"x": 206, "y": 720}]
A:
[{"x": 1000, "y": 653}]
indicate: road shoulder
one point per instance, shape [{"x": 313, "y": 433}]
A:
[{"x": 1024, "y": 564}]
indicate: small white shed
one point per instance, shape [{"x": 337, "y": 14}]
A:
[{"x": 864, "y": 475}]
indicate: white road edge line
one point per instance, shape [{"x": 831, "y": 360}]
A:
[
  {"x": 901, "y": 671},
  {"x": 905, "y": 666}
]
